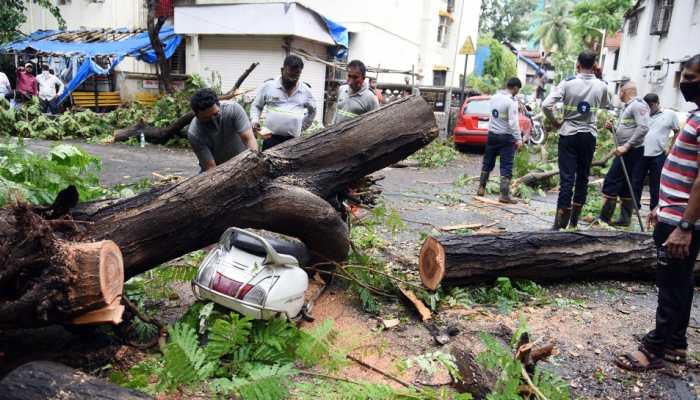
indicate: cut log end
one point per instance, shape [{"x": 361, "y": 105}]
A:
[
  {"x": 111, "y": 271},
  {"x": 111, "y": 314},
  {"x": 431, "y": 263}
]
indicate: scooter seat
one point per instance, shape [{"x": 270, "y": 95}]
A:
[{"x": 296, "y": 249}]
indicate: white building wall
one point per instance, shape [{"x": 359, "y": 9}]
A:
[{"x": 642, "y": 49}]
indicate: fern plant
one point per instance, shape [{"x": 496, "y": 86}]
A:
[
  {"x": 185, "y": 361},
  {"x": 264, "y": 382}
]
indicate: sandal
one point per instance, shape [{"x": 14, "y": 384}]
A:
[
  {"x": 635, "y": 361},
  {"x": 676, "y": 356}
]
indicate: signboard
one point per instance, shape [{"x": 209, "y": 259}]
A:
[{"x": 467, "y": 47}]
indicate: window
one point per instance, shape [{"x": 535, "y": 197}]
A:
[
  {"x": 617, "y": 58},
  {"x": 633, "y": 23},
  {"x": 439, "y": 78},
  {"x": 661, "y": 18},
  {"x": 478, "y": 107},
  {"x": 177, "y": 61},
  {"x": 443, "y": 30},
  {"x": 450, "y": 5}
]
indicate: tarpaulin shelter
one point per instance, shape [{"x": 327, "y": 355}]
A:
[{"x": 89, "y": 45}]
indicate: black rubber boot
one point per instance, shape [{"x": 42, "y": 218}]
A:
[
  {"x": 575, "y": 214},
  {"x": 505, "y": 192},
  {"x": 483, "y": 180},
  {"x": 608, "y": 209},
  {"x": 561, "y": 219},
  {"x": 626, "y": 209}
]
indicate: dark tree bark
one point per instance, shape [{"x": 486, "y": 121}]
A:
[
  {"x": 542, "y": 256},
  {"x": 154, "y": 24},
  {"x": 164, "y": 134},
  {"x": 281, "y": 190},
  {"x": 41, "y": 380}
]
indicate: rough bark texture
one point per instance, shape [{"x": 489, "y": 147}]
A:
[
  {"x": 164, "y": 134},
  {"x": 44, "y": 277},
  {"x": 41, "y": 380},
  {"x": 542, "y": 256},
  {"x": 154, "y": 25},
  {"x": 281, "y": 190}
]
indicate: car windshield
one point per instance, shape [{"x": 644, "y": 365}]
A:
[{"x": 478, "y": 107}]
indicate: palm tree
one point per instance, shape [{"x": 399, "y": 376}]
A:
[{"x": 554, "y": 27}]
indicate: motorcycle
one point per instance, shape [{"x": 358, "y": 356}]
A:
[{"x": 538, "y": 135}]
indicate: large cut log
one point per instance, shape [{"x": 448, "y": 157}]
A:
[
  {"x": 281, "y": 190},
  {"x": 45, "y": 278},
  {"x": 41, "y": 380},
  {"x": 163, "y": 134},
  {"x": 542, "y": 256}
]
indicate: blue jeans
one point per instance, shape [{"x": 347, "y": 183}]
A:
[
  {"x": 575, "y": 157},
  {"x": 651, "y": 166},
  {"x": 502, "y": 146}
]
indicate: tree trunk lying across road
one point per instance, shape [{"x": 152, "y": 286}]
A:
[
  {"x": 542, "y": 256},
  {"x": 41, "y": 380},
  {"x": 535, "y": 177},
  {"x": 163, "y": 134},
  {"x": 281, "y": 190}
]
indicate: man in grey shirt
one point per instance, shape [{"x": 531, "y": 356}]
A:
[
  {"x": 218, "y": 132},
  {"x": 289, "y": 106},
  {"x": 631, "y": 130},
  {"x": 582, "y": 95},
  {"x": 355, "y": 98},
  {"x": 661, "y": 123},
  {"x": 503, "y": 140}
]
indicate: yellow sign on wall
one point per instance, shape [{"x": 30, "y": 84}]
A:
[{"x": 467, "y": 47}]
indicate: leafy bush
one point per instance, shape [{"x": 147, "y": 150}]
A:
[
  {"x": 437, "y": 154},
  {"x": 38, "y": 178}
]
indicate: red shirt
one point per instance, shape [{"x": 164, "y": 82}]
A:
[{"x": 26, "y": 83}]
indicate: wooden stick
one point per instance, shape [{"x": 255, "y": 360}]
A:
[{"x": 379, "y": 371}]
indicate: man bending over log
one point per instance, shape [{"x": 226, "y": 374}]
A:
[
  {"x": 677, "y": 239},
  {"x": 218, "y": 132}
]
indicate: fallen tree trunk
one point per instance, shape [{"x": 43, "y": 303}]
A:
[
  {"x": 281, "y": 190},
  {"x": 40, "y": 380},
  {"x": 164, "y": 134},
  {"x": 45, "y": 278},
  {"x": 542, "y": 256},
  {"x": 534, "y": 178}
]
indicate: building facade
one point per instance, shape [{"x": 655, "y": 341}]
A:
[{"x": 658, "y": 35}]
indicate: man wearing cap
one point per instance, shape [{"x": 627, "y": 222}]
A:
[
  {"x": 355, "y": 98},
  {"x": 632, "y": 128},
  {"x": 289, "y": 106},
  {"x": 27, "y": 86}
]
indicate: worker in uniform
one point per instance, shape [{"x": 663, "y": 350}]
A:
[
  {"x": 630, "y": 132},
  {"x": 289, "y": 106},
  {"x": 504, "y": 139},
  {"x": 354, "y": 98},
  {"x": 582, "y": 95}
]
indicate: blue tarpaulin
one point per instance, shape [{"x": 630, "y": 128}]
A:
[
  {"x": 339, "y": 33},
  {"x": 137, "y": 45}
]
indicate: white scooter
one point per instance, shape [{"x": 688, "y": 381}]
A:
[{"x": 255, "y": 276}]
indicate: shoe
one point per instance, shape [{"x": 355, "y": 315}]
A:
[
  {"x": 561, "y": 219},
  {"x": 505, "y": 192},
  {"x": 483, "y": 180},
  {"x": 606, "y": 212},
  {"x": 575, "y": 214},
  {"x": 626, "y": 208}
]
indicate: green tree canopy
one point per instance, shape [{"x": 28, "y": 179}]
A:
[
  {"x": 506, "y": 19},
  {"x": 13, "y": 13},
  {"x": 592, "y": 17},
  {"x": 555, "y": 24},
  {"x": 501, "y": 64}
]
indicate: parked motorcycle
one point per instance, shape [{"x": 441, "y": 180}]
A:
[{"x": 538, "y": 134}]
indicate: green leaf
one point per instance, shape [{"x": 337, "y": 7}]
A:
[
  {"x": 226, "y": 334},
  {"x": 185, "y": 362},
  {"x": 264, "y": 382}
]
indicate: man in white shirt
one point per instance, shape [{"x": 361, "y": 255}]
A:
[
  {"x": 47, "y": 90},
  {"x": 661, "y": 123},
  {"x": 5, "y": 88}
]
